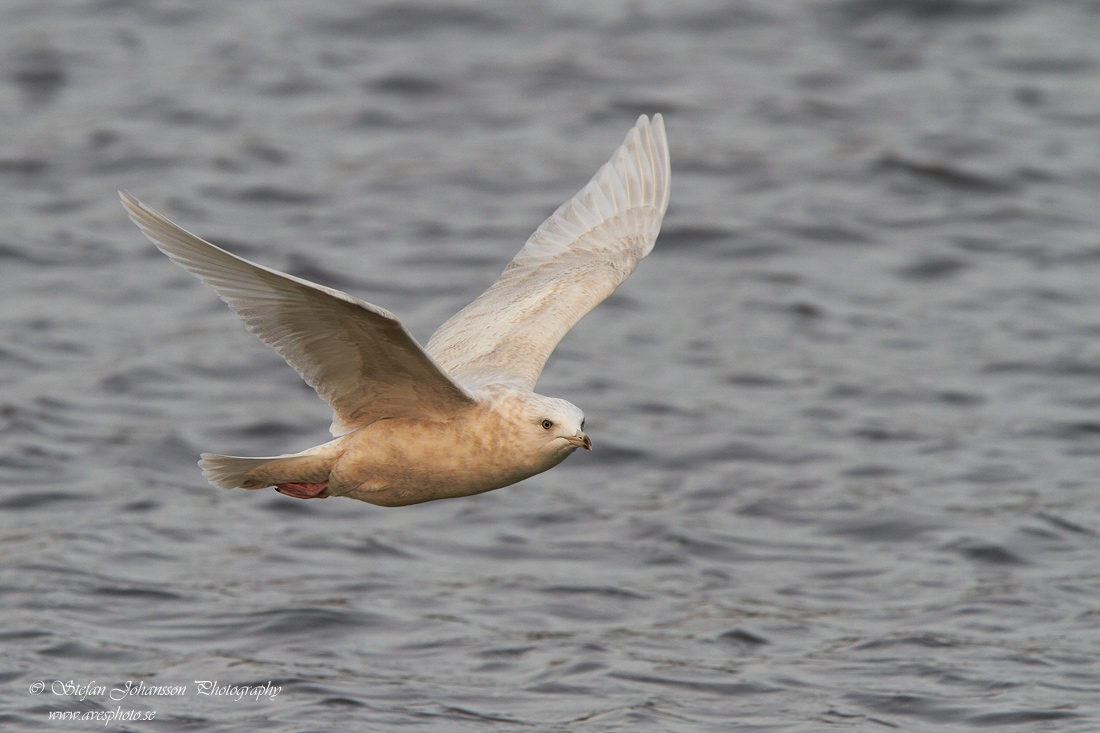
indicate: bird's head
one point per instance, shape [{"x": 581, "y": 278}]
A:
[{"x": 556, "y": 426}]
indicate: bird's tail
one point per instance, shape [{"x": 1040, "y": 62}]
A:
[{"x": 232, "y": 472}]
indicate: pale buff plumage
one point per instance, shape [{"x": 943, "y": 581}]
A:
[{"x": 458, "y": 417}]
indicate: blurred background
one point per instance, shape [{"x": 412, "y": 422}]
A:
[{"x": 845, "y": 415}]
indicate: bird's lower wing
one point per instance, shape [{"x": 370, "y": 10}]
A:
[
  {"x": 358, "y": 357},
  {"x": 572, "y": 262}
]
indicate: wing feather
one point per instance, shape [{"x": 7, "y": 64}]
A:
[
  {"x": 358, "y": 357},
  {"x": 574, "y": 260}
]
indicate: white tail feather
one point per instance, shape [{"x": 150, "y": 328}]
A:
[{"x": 237, "y": 472}]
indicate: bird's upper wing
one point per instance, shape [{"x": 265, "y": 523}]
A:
[
  {"x": 571, "y": 263},
  {"x": 358, "y": 357}
]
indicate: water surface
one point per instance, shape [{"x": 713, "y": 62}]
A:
[{"x": 845, "y": 415}]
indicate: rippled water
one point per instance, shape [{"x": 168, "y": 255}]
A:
[{"x": 845, "y": 416}]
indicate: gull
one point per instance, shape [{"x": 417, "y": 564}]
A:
[{"x": 459, "y": 416}]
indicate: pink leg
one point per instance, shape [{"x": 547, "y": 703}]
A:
[{"x": 304, "y": 491}]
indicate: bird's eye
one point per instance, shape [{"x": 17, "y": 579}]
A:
[
  {"x": 582, "y": 423},
  {"x": 547, "y": 423}
]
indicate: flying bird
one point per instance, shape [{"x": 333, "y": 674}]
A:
[{"x": 459, "y": 416}]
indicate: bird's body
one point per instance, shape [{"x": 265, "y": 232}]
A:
[
  {"x": 460, "y": 416},
  {"x": 410, "y": 460}
]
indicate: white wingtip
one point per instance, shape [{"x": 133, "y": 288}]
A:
[
  {"x": 134, "y": 207},
  {"x": 660, "y": 140},
  {"x": 648, "y": 142}
]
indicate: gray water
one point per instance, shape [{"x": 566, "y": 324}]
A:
[{"x": 846, "y": 415}]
